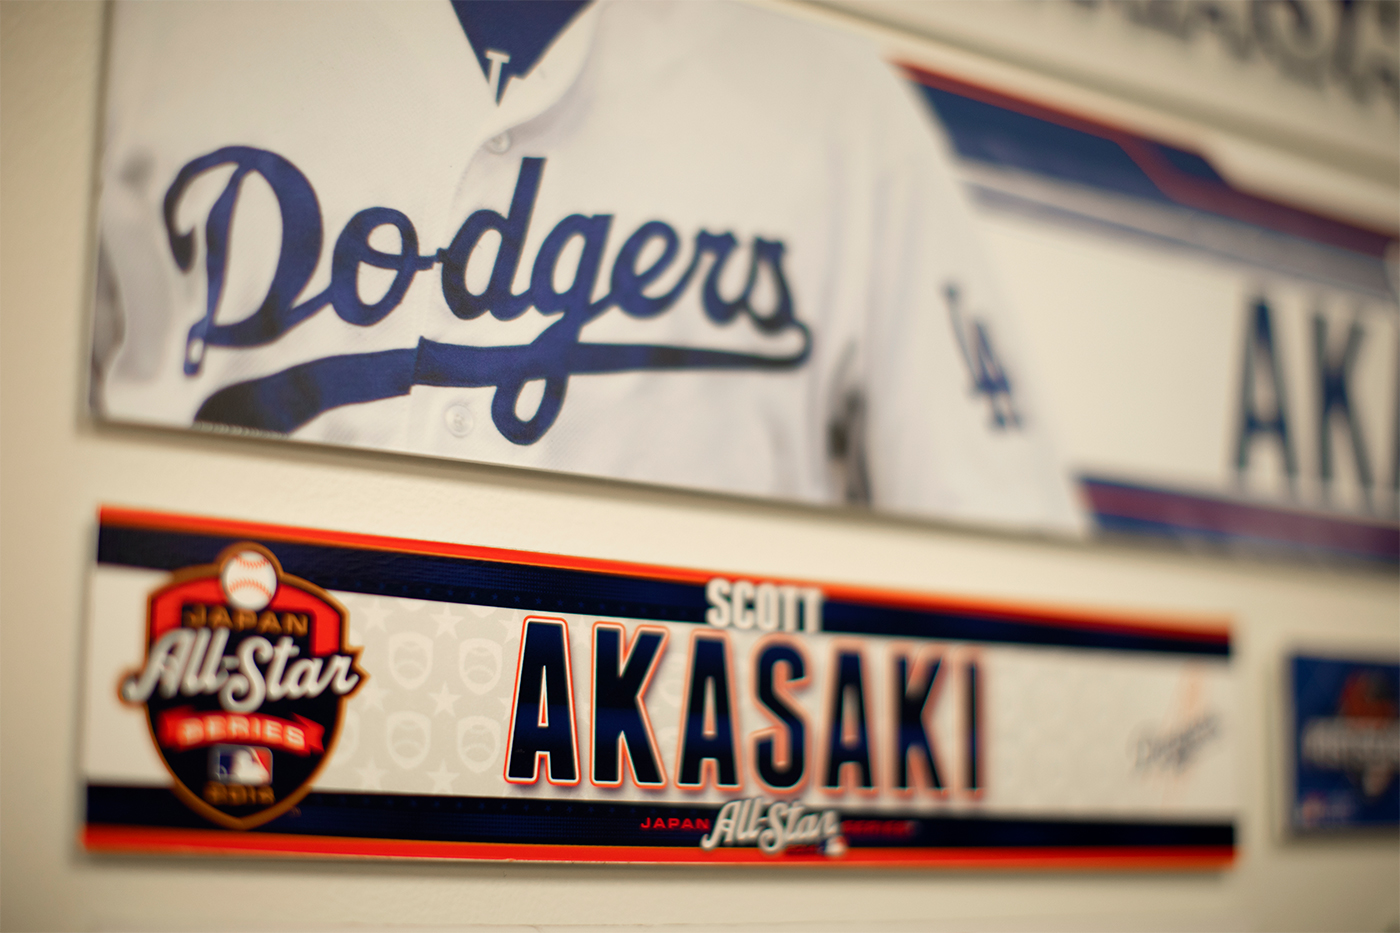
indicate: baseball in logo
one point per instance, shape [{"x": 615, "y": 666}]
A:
[{"x": 244, "y": 683}]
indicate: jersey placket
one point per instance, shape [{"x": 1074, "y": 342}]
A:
[{"x": 453, "y": 420}]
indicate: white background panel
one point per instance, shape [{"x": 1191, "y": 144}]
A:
[
  {"x": 57, "y": 467},
  {"x": 1143, "y": 354}
]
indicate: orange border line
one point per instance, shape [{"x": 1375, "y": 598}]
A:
[
  {"x": 1086, "y": 620},
  {"x": 137, "y": 518},
  {"x": 153, "y": 841},
  {"x": 1215, "y": 630}
]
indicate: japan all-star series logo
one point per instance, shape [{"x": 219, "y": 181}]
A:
[{"x": 244, "y": 683}]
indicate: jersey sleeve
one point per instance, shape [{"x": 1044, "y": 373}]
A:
[
  {"x": 956, "y": 425},
  {"x": 137, "y": 302}
]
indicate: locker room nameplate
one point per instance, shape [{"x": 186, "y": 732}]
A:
[{"x": 270, "y": 690}]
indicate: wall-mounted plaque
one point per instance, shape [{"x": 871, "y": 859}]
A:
[
  {"x": 272, "y": 690},
  {"x": 1346, "y": 743}
]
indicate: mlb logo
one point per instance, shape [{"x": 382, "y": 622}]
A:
[
  {"x": 249, "y": 765},
  {"x": 221, "y": 760}
]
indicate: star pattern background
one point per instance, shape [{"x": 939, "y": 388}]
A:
[
  {"x": 1060, "y": 728},
  {"x": 434, "y": 716}
]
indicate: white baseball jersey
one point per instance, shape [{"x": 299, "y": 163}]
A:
[{"x": 692, "y": 244}]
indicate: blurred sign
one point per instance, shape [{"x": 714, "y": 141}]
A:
[
  {"x": 1346, "y": 744},
  {"x": 1225, "y": 365},
  {"x": 1317, "y": 78}
]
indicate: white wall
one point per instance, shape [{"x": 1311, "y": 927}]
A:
[
  {"x": 58, "y": 466},
  {"x": 1283, "y": 88}
]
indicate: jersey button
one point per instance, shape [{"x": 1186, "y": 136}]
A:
[
  {"x": 499, "y": 143},
  {"x": 459, "y": 420}
]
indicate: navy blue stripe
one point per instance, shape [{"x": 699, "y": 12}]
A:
[
  {"x": 420, "y": 576},
  {"x": 1227, "y": 541},
  {"x": 580, "y": 822},
  {"x": 1143, "y": 510},
  {"x": 860, "y": 619},
  {"x": 987, "y": 133},
  {"x": 550, "y": 589},
  {"x": 285, "y": 401},
  {"x": 451, "y": 364},
  {"x": 1189, "y": 163}
]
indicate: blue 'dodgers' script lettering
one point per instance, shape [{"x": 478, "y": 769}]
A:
[{"x": 286, "y": 400}]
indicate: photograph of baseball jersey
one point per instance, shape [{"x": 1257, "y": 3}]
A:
[{"x": 703, "y": 245}]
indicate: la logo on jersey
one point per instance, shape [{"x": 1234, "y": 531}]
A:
[{"x": 244, "y": 684}]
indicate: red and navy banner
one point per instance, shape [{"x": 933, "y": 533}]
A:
[{"x": 513, "y": 705}]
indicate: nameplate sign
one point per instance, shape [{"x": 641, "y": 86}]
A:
[{"x": 282, "y": 691}]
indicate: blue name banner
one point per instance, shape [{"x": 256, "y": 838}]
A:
[{"x": 1346, "y": 744}]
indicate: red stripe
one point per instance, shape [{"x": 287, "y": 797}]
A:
[
  {"x": 172, "y": 841},
  {"x": 1180, "y": 187},
  {"x": 1019, "y": 105},
  {"x": 1208, "y": 629},
  {"x": 1214, "y": 631},
  {"x": 162, "y": 521},
  {"x": 1213, "y": 514}
]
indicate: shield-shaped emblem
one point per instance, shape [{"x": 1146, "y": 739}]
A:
[{"x": 245, "y": 680}]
